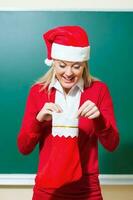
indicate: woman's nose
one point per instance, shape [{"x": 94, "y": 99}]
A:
[{"x": 69, "y": 71}]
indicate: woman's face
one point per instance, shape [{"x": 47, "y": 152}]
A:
[{"x": 68, "y": 73}]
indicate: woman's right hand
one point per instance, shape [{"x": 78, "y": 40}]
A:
[{"x": 46, "y": 112}]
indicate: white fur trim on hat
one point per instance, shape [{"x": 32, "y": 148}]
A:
[
  {"x": 48, "y": 62},
  {"x": 70, "y": 53}
]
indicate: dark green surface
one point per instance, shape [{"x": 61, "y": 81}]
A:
[{"x": 22, "y": 52}]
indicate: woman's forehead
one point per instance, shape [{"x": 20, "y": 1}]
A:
[{"x": 68, "y": 62}]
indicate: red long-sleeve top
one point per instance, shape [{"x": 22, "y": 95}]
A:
[{"x": 102, "y": 128}]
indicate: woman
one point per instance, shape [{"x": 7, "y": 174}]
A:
[{"x": 68, "y": 163}]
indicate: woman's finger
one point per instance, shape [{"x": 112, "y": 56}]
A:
[
  {"x": 59, "y": 108},
  {"x": 95, "y": 115},
  {"x": 87, "y": 109},
  {"x": 49, "y": 112},
  {"x": 86, "y": 103},
  {"x": 91, "y": 111},
  {"x": 53, "y": 107}
]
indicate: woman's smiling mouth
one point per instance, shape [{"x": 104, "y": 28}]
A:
[{"x": 69, "y": 80}]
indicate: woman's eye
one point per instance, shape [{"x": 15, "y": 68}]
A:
[
  {"x": 62, "y": 66},
  {"x": 76, "y": 66}
]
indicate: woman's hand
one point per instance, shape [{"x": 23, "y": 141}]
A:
[
  {"x": 46, "y": 112},
  {"x": 88, "y": 109}
]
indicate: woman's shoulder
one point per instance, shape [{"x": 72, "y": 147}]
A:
[
  {"x": 37, "y": 88},
  {"x": 98, "y": 84},
  {"x": 97, "y": 88}
]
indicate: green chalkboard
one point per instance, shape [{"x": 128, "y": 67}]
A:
[{"x": 22, "y": 54}]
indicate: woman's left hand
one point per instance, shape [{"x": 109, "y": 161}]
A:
[{"x": 88, "y": 109}]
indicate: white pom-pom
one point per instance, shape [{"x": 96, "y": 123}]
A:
[{"x": 48, "y": 62}]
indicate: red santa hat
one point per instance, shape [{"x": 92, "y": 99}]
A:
[{"x": 68, "y": 43}]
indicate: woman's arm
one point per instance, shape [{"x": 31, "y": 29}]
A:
[
  {"x": 30, "y": 130},
  {"x": 105, "y": 124}
]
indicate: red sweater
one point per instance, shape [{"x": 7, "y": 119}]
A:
[{"x": 102, "y": 128}]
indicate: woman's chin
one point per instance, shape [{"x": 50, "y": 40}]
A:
[{"x": 68, "y": 85}]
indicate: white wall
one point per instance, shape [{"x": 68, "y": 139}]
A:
[{"x": 67, "y": 4}]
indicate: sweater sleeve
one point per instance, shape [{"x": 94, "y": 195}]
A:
[
  {"x": 105, "y": 125},
  {"x": 30, "y": 129}
]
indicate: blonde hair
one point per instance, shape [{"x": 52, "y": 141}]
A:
[{"x": 45, "y": 80}]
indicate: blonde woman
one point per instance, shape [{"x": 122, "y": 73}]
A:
[{"x": 68, "y": 154}]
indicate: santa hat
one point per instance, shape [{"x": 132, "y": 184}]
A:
[{"x": 68, "y": 43}]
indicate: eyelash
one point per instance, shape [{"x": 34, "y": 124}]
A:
[
  {"x": 75, "y": 67},
  {"x": 62, "y": 66}
]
